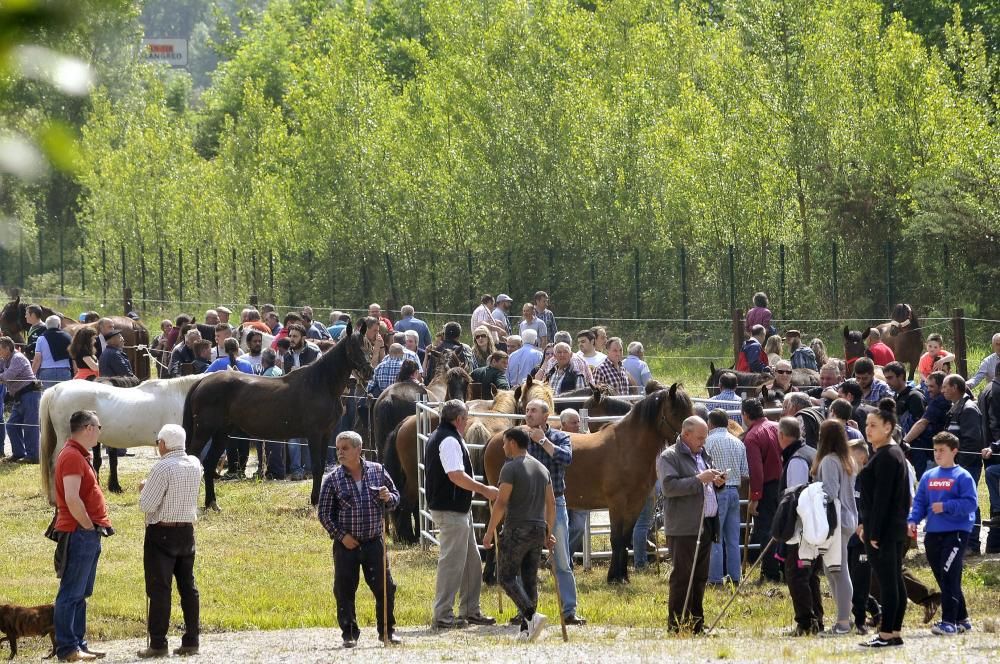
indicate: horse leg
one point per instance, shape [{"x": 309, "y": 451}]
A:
[
  {"x": 216, "y": 445},
  {"x": 97, "y": 461},
  {"x": 317, "y": 449},
  {"x": 113, "y": 485},
  {"x": 621, "y": 537}
]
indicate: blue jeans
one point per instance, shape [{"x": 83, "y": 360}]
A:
[
  {"x": 299, "y": 460},
  {"x": 640, "y": 534},
  {"x": 50, "y": 377},
  {"x": 728, "y": 548},
  {"x": 564, "y": 573},
  {"x": 577, "y": 526},
  {"x": 24, "y": 439},
  {"x": 993, "y": 486},
  {"x": 76, "y": 585}
]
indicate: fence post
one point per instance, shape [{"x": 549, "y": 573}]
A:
[
  {"x": 392, "y": 277},
  {"x": 121, "y": 252},
  {"x": 41, "y": 261},
  {"x": 142, "y": 273},
  {"x": 236, "y": 288},
  {"x": 254, "y": 300},
  {"x": 890, "y": 287},
  {"x": 836, "y": 308},
  {"x": 253, "y": 271},
  {"x": 434, "y": 282},
  {"x": 365, "y": 280},
  {"x": 197, "y": 269},
  {"x": 163, "y": 291},
  {"x": 104, "y": 271},
  {"x": 958, "y": 332},
  {"x": 781, "y": 260},
  {"x": 270, "y": 272},
  {"x": 127, "y": 304},
  {"x": 552, "y": 273},
  {"x": 737, "y": 333},
  {"x": 62, "y": 264},
  {"x": 180, "y": 275},
  {"x": 510, "y": 287},
  {"x": 732, "y": 279},
  {"x": 593, "y": 293},
  {"x": 472, "y": 286},
  {"x": 684, "y": 286},
  {"x": 946, "y": 273},
  {"x": 83, "y": 273},
  {"x": 215, "y": 269},
  {"x": 20, "y": 281},
  {"x": 638, "y": 286}
]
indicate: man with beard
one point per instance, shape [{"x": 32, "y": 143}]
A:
[{"x": 254, "y": 347}]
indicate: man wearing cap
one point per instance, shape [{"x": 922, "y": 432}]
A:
[
  {"x": 802, "y": 357},
  {"x": 500, "y": 316},
  {"x": 169, "y": 499},
  {"x": 51, "y": 361},
  {"x": 113, "y": 361},
  {"x": 224, "y": 314}
]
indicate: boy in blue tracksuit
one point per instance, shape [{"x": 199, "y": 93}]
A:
[{"x": 947, "y": 498}]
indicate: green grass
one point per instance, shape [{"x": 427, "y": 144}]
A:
[{"x": 265, "y": 563}]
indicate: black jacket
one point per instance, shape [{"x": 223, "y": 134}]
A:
[
  {"x": 181, "y": 354},
  {"x": 442, "y": 493},
  {"x": 966, "y": 423},
  {"x": 885, "y": 495},
  {"x": 308, "y": 355},
  {"x": 989, "y": 408}
]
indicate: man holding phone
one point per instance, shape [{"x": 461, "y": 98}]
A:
[{"x": 352, "y": 501}]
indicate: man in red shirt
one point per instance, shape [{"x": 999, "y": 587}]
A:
[
  {"x": 880, "y": 353},
  {"x": 82, "y": 517},
  {"x": 764, "y": 459}
]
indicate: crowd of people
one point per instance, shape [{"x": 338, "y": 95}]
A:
[{"x": 866, "y": 461}]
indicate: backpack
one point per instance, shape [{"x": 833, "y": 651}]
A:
[{"x": 785, "y": 517}]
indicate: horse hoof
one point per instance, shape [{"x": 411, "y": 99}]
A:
[
  {"x": 213, "y": 506},
  {"x": 115, "y": 489}
]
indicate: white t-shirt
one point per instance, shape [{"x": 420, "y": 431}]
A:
[
  {"x": 450, "y": 452},
  {"x": 595, "y": 361}
]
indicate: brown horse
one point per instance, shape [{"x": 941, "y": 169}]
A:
[
  {"x": 602, "y": 404},
  {"x": 305, "y": 403},
  {"x": 903, "y": 335},
  {"x": 615, "y": 468},
  {"x": 14, "y": 324},
  {"x": 401, "y": 464}
]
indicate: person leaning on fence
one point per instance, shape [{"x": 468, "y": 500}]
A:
[
  {"x": 947, "y": 498},
  {"x": 729, "y": 454},
  {"x": 183, "y": 352},
  {"x": 690, "y": 513},
  {"x": 449, "y": 485},
  {"x": 169, "y": 499},
  {"x": 25, "y": 392},
  {"x": 801, "y": 357},
  {"x": 81, "y": 521},
  {"x": 352, "y": 506},
  {"x": 493, "y": 377},
  {"x": 51, "y": 362},
  {"x": 611, "y": 372},
  {"x": 562, "y": 376},
  {"x": 527, "y": 506},
  {"x": 764, "y": 459}
]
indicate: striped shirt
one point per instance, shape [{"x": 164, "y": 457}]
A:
[
  {"x": 727, "y": 400},
  {"x": 171, "y": 490},
  {"x": 16, "y": 372},
  {"x": 612, "y": 375},
  {"x": 561, "y": 457},
  {"x": 728, "y": 453},
  {"x": 347, "y": 509},
  {"x": 879, "y": 390},
  {"x": 385, "y": 374},
  {"x": 482, "y": 316}
]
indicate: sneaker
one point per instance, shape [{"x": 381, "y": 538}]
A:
[
  {"x": 836, "y": 630},
  {"x": 944, "y": 629},
  {"x": 878, "y": 642},
  {"x": 964, "y": 626},
  {"x": 536, "y": 625}
]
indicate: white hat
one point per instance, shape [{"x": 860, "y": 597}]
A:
[{"x": 173, "y": 436}]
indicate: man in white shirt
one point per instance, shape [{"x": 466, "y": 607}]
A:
[
  {"x": 169, "y": 499},
  {"x": 586, "y": 339},
  {"x": 483, "y": 316}
]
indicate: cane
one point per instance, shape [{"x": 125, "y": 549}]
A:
[
  {"x": 555, "y": 578},
  {"x": 746, "y": 541},
  {"x": 385, "y": 579},
  {"x": 741, "y": 585},
  {"x": 694, "y": 566},
  {"x": 496, "y": 563}
]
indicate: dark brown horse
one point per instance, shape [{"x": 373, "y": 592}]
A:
[
  {"x": 14, "y": 324},
  {"x": 602, "y": 404},
  {"x": 401, "y": 464},
  {"x": 615, "y": 468},
  {"x": 748, "y": 383},
  {"x": 305, "y": 403}
]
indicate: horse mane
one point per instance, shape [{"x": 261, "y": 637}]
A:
[
  {"x": 647, "y": 411},
  {"x": 612, "y": 405},
  {"x": 316, "y": 373},
  {"x": 504, "y": 402},
  {"x": 538, "y": 390}
]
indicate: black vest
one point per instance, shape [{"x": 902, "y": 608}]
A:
[
  {"x": 442, "y": 493},
  {"x": 59, "y": 342},
  {"x": 798, "y": 450}
]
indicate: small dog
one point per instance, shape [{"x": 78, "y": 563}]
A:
[{"x": 21, "y": 621}]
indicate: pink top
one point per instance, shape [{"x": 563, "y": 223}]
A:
[{"x": 758, "y": 316}]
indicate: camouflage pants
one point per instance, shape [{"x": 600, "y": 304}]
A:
[{"x": 520, "y": 551}]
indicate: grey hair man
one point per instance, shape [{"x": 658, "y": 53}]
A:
[
  {"x": 169, "y": 500},
  {"x": 449, "y": 485},
  {"x": 635, "y": 364}
]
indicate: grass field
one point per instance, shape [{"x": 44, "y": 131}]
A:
[{"x": 265, "y": 562}]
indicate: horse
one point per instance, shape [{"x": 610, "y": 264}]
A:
[
  {"x": 748, "y": 383},
  {"x": 615, "y": 468},
  {"x": 14, "y": 324},
  {"x": 903, "y": 335},
  {"x": 305, "y": 403},
  {"x": 130, "y": 417},
  {"x": 602, "y": 404},
  {"x": 401, "y": 464}
]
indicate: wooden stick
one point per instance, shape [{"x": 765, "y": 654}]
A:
[
  {"x": 555, "y": 577},
  {"x": 385, "y": 581}
]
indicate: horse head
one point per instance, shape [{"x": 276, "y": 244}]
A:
[
  {"x": 854, "y": 345},
  {"x": 654, "y": 386},
  {"x": 675, "y": 407},
  {"x": 712, "y": 384},
  {"x": 459, "y": 384},
  {"x": 357, "y": 349},
  {"x": 771, "y": 398},
  {"x": 12, "y": 318},
  {"x": 902, "y": 313}
]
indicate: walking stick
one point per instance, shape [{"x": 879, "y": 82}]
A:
[
  {"x": 385, "y": 580},
  {"x": 740, "y": 587},
  {"x": 694, "y": 565},
  {"x": 746, "y": 541},
  {"x": 496, "y": 565},
  {"x": 555, "y": 577}
]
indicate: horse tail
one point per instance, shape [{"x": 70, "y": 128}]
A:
[
  {"x": 187, "y": 420},
  {"x": 47, "y": 445},
  {"x": 477, "y": 434},
  {"x": 391, "y": 461}
]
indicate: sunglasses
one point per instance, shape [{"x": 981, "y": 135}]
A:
[
  {"x": 783, "y": 372},
  {"x": 481, "y": 336}
]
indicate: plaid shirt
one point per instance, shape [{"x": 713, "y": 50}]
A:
[
  {"x": 879, "y": 390},
  {"x": 386, "y": 374},
  {"x": 171, "y": 490},
  {"x": 728, "y": 453},
  {"x": 561, "y": 457},
  {"x": 612, "y": 375},
  {"x": 726, "y": 400},
  {"x": 344, "y": 510}
]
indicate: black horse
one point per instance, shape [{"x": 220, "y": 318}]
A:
[{"x": 305, "y": 403}]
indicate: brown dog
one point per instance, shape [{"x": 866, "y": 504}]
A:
[{"x": 21, "y": 621}]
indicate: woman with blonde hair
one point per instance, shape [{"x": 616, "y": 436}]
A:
[
  {"x": 819, "y": 350},
  {"x": 773, "y": 349},
  {"x": 482, "y": 347}
]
